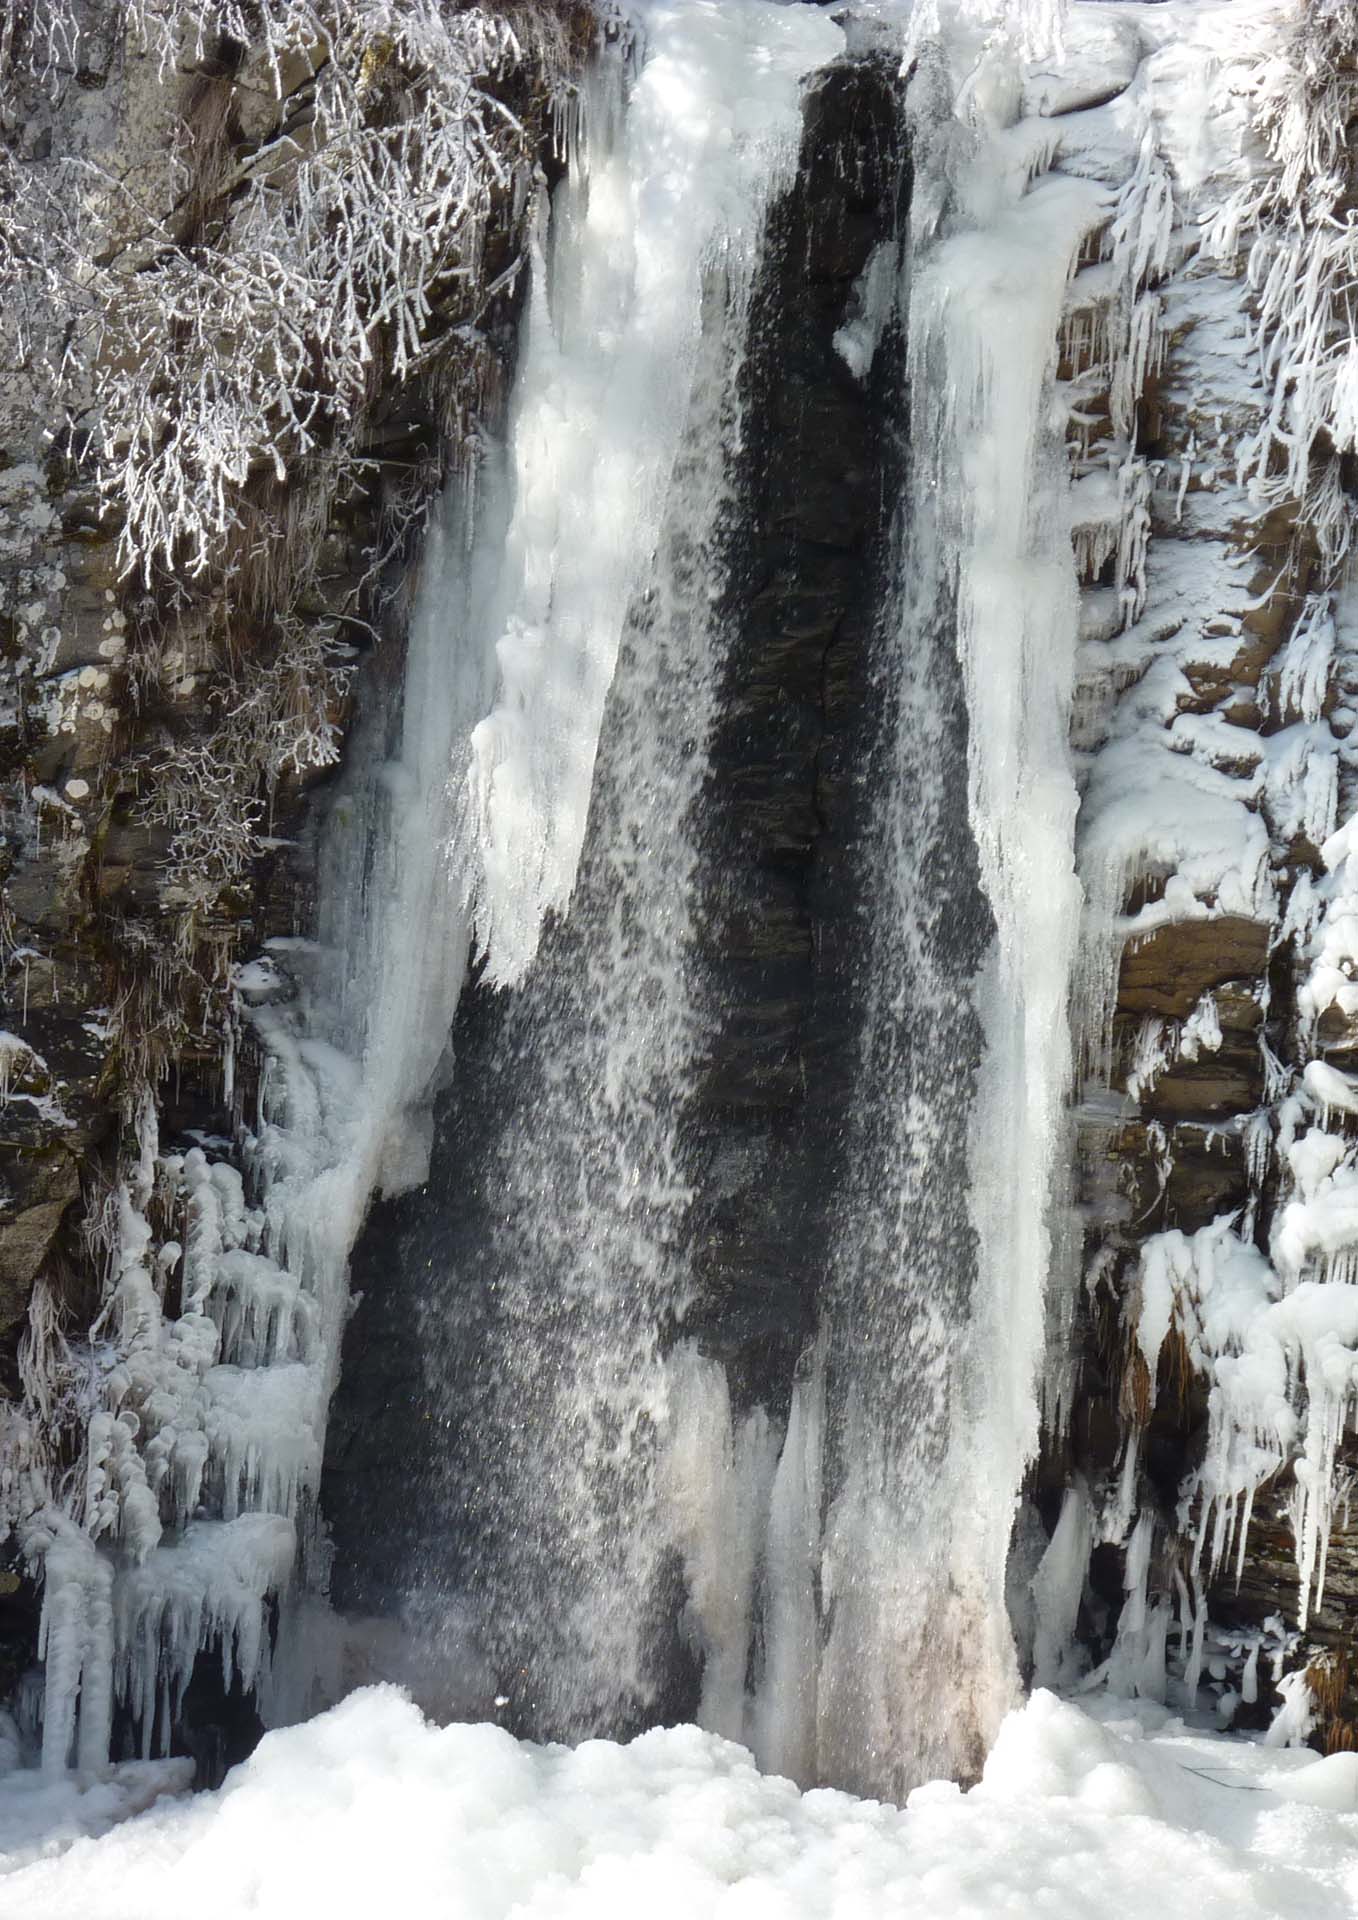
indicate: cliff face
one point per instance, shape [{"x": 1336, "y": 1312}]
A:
[
  {"x": 1213, "y": 716},
  {"x": 224, "y": 408}
]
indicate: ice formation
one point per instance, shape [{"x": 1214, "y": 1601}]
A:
[
  {"x": 1186, "y": 816},
  {"x": 660, "y": 194},
  {"x": 214, "y": 1357}
]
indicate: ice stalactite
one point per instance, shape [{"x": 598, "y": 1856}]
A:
[{"x": 1279, "y": 1355}]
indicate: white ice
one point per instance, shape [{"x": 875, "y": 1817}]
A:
[{"x": 614, "y": 322}]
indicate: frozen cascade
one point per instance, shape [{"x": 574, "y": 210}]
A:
[
  {"x": 939, "y": 1290},
  {"x": 873, "y": 1549},
  {"x": 556, "y": 1258},
  {"x": 512, "y": 646},
  {"x": 230, "y": 1397},
  {"x": 663, "y": 190}
]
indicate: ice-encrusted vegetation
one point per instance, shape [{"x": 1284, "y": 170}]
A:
[
  {"x": 214, "y": 354},
  {"x": 1297, "y": 220},
  {"x": 246, "y": 335},
  {"x": 210, "y": 359}
]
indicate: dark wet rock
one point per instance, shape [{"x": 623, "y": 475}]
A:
[
  {"x": 40, "y": 1187},
  {"x": 784, "y": 810}
]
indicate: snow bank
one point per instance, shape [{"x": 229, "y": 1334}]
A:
[{"x": 370, "y": 1810}]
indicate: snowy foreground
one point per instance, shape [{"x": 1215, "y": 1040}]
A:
[{"x": 370, "y": 1811}]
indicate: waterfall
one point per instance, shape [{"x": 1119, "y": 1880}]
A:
[
  {"x": 612, "y": 1262},
  {"x": 556, "y": 1260},
  {"x": 583, "y": 1520},
  {"x": 553, "y": 1267},
  {"x": 826, "y": 1579}
]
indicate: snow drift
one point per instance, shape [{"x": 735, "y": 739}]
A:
[{"x": 369, "y": 1809}]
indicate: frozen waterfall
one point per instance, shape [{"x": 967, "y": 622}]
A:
[
  {"x": 572, "y": 1479},
  {"x": 815, "y": 1564}
]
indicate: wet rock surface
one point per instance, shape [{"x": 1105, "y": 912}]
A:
[{"x": 787, "y": 808}]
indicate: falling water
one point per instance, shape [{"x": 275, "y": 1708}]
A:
[
  {"x": 918, "y": 1410},
  {"x": 559, "y": 1258},
  {"x": 554, "y": 1265},
  {"x": 594, "y": 1531},
  {"x": 937, "y": 1298}
]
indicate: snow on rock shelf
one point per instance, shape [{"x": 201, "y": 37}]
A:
[{"x": 369, "y": 1809}]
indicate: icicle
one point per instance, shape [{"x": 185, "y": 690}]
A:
[
  {"x": 1292, "y": 1724},
  {"x": 783, "y": 1718},
  {"x": 1058, "y": 1586},
  {"x": 718, "y": 1481}
]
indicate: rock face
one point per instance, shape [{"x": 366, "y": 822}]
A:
[
  {"x": 177, "y": 684},
  {"x": 1196, "y": 727}
]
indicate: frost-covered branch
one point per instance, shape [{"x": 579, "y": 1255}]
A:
[
  {"x": 1303, "y": 265},
  {"x": 245, "y": 347},
  {"x": 279, "y": 720},
  {"x": 217, "y": 358}
]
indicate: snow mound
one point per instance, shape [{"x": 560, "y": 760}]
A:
[{"x": 371, "y": 1810}]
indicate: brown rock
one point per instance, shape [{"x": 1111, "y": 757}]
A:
[
  {"x": 40, "y": 1187},
  {"x": 1206, "y": 1175},
  {"x": 1168, "y": 971},
  {"x": 1218, "y": 1085}
]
